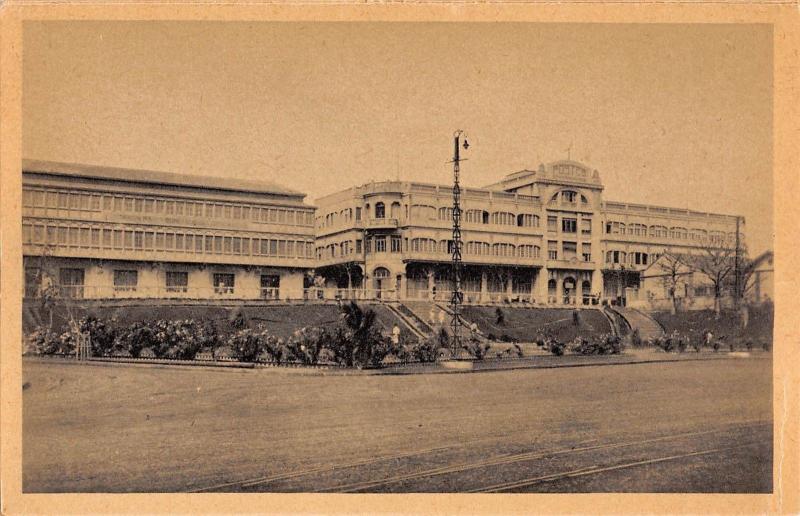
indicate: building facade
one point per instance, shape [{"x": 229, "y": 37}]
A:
[
  {"x": 99, "y": 232},
  {"x": 538, "y": 237},
  {"x": 544, "y": 237}
]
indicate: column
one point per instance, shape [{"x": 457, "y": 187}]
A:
[
  {"x": 597, "y": 282},
  {"x": 510, "y": 284},
  {"x": 484, "y": 286},
  {"x": 559, "y": 290},
  {"x": 540, "y": 287},
  {"x": 534, "y": 286},
  {"x": 431, "y": 284}
]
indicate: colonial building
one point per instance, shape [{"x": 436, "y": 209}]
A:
[
  {"x": 544, "y": 236},
  {"x": 100, "y": 232}
]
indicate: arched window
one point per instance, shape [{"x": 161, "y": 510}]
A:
[
  {"x": 381, "y": 273},
  {"x": 485, "y": 217},
  {"x": 380, "y": 210},
  {"x": 551, "y": 287},
  {"x": 395, "y": 213}
]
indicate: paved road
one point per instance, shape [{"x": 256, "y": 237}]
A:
[{"x": 700, "y": 426}]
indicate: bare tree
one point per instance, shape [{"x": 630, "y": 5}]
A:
[
  {"x": 672, "y": 266},
  {"x": 716, "y": 262}
]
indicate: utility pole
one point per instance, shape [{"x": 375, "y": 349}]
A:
[{"x": 457, "y": 297}]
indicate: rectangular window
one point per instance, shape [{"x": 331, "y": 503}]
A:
[
  {"x": 552, "y": 250},
  {"x": 177, "y": 281},
  {"x": 169, "y": 241},
  {"x": 149, "y": 241},
  {"x": 38, "y": 234},
  {"x": 552, "y": 223},
  {"x": 586, "y": 226},
  {"x": 149, "y": 205},
  {"x": 189, "y": 245},
  {"x": 270, "y": 286},
  {"x": 396, "y": 244},
  {"x": 223, "y": 283},
  {"x": 73, "y": 236},
  {"x": 52, "y": 200},
  {"x": 125, "y": 280},
  {"x": 33, "y": 280},
  {"x": 358, "y": 246},
  {"x": 569, "y": 225},
  {"x": 237, "y": 212},
  {"x": 96, "y": 202},
  {"x": 246, "y": 246},
  {"x": 179, "y": 241},
  {"x": 290, "y": 249},
  {"x": 106, "y": 238},
  {"x": 246, "y": 212},
  {"x": 27, "y": 233},
  {"x": 227, "y": 211},
  {"x": 169, "y": 208},
  {"x": 179, "y": 208},
  {"x": 570, "y": 250},
  {"x": 159, "y": 205},
  {"x": 128, "y": 204},
  {"x": 107, "y": 202},
  {"x": 138, "y": 205},
  {"x": 358, "y": 213},
  {"x": 128, "y": 239},
  {"x": 226, "y": 245},
  {"x": 586, "y": 252},
  {"x": 380, "y": 244},
  {"x": 86, "y": 237},
  {"x": 71, "y": 282},
  {"x": 159, "y": 241}
]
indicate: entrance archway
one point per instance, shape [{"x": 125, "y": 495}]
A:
[
  {"x": 380, "y": 280},
  {"x": 586, "y": 292}
]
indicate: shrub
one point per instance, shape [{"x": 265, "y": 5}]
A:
[
  {"x": 246, "y": 345},
  {"x": 477, "y": 349},
  {"x": 500, "y": 317},
  {"x": 237, "y": 319},
  {"x": 555, "y": 347},
  {"x": 636, "y": 338},
  {"x": 135, "y": 338},
  {"x": 101, "y": 335},
  {"x": 425, "y": 350},
  {"x": 43, "y": 341},
  {"x": 306, "y": 344},
  {"x": 508, "y": 338}
]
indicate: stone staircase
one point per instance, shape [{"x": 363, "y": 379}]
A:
[
  {"x": 417, "y": 326},
  {"x": 648, "y": 327}
]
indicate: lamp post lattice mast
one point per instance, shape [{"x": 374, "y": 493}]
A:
[{"x": 457, "y": 297}]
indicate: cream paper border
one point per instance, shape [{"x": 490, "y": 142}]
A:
[{"x": 786, "y": 33}]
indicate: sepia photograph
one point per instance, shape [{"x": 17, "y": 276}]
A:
[{"x": 396, "y": 257}]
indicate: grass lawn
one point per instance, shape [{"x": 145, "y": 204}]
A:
[
  {"x": 524, "y": 324},
  {"x": 759, "y": 326}
]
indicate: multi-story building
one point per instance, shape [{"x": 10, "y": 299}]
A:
[
  {"x": 544, "y": 236},
  {"x": 99, "y": 232}
]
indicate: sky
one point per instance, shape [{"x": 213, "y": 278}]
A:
[{"x": 675, "y": 115}]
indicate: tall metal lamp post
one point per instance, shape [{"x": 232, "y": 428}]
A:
[{"x": 457, "y": 298}]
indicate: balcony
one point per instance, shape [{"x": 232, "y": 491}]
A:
[
  {"x": 573, "y": 263},
  {"x": 377, "y": 224}
]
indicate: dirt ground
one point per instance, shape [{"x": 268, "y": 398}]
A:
[{"x": 129, "y": 429}]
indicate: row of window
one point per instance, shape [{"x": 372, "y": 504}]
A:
[
  {"x": 568, "y": 251},
  {"x": 675, "y": 232},
  {"x": 125, "y": 239},
  {"x": 393, "y": 244},
  {"x": 631, "y": 258},
  {"x": 426, "y": 212},
  {"x": 56, "y": 199},
  {"x": 71, "y": 282},
  {"x": 569, "y": 225}
]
